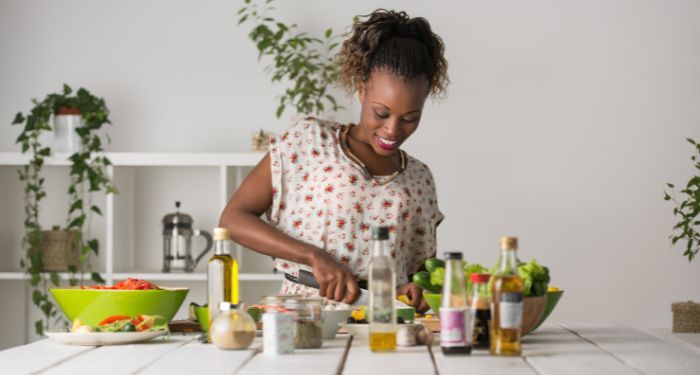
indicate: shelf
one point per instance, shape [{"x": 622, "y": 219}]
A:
[
  {"x": 157, "y": 276},
  {"x": 150, "y": 159},
  {"x": 24, "y": 276}
]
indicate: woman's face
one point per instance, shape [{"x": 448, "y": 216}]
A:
[{"x": 391, "y": 110}]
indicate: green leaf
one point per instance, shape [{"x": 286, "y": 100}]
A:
[
  {"x": 328, "y": 33},
  {"x": 39, "y": 328},
  {"x": 54, "y": 279},
  {"x": 96, "y": 210},
  {"x": 94, "y": 246},
  {"x": 691, "y": 141},
  {"x": 19, "y": 118},
  {"x": 36, "y": 297},
  {"x": 77, "y": 205},
  {"x": 96, "y": 277},
  {"x": 73, "y": 281},
  {"x": 240, "y": 21}
]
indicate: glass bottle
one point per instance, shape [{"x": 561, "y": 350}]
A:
[
  {"x": 233, "y": 328},
  {"x": 480, "y": 306},
  {"x": 455, "y": 335},
  {"x": 507, "y": 305},
  {"x": 382, "y": 293},
  {"x": 222, "y": 274}
]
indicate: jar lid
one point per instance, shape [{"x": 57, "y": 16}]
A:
[
  {"x": 296, "y": 301},
  {"x": 480, "y": 277}
]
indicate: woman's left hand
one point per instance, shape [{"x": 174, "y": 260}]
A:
[{"x": 415, "y": 296}]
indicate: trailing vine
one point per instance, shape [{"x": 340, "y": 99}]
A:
[
  {"x": 87, "y": 174},
  {"x": 687, "y": 209}
]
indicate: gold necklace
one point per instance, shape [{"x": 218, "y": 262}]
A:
[{"x": 345, "y": 144}]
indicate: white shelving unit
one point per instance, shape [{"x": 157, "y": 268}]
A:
[{"x": 230, "y": 168}]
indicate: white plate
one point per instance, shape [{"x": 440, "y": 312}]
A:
[{"x": 102, "y": 338}]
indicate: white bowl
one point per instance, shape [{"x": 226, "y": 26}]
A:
[
  {"x": 331, "y": 320},
  {"x": 359, "y": 330}
]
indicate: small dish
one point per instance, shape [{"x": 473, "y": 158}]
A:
[
  {"x": 359, "y": 330},
  {"x": 103, "y": 338},
  {"x": 331, "y": 320}
]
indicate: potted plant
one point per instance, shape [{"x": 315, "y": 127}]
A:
[
  {"x": 87, "y": 174},
  {"x": 686, "y": 315},
  {"x": 306, "y": 63}
]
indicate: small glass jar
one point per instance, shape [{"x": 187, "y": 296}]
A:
[
  {"x": 278, "y": 327},
  {"x": 308, "y": 321},
  {"x": 233, "y": 328}
]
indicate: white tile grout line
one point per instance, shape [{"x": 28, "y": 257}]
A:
[
  {"x": 64, "y": 359},
  {"x": 602, "y": 349}
]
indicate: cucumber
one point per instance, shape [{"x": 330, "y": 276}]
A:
[
  {"x": 431, "y": 264},
  {"x": 422, "y": 279}
]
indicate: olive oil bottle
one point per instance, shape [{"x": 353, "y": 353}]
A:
[
  {"x": 382, "y": 293},
  {"x": 507, "y": 305},
  {"x": 222, "y": 274}
]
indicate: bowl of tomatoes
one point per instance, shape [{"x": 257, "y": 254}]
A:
[{"x": 131, "y": 297}]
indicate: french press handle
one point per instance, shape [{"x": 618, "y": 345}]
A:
[{"x": 210, "y": 242}]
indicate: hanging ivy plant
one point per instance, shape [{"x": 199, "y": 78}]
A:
[
  {"x": 87, "y": 176},
  {"x": 306, "y": 62},
  {"x": 687, "y": 209}
]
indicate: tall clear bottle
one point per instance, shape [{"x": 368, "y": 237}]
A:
[
  {"x": 382, "y": 293},
  {"x": 455, "y": 332},
  {"x": 507, "y": 310},
  {"x": 222, "y": 274}
]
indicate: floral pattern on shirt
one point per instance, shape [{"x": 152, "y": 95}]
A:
[{"x": 320, "y": 196}]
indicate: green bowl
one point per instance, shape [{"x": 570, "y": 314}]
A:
[
  {"x": 91, "y": 306},
  {"x": 408, "y": 314},
  {"x": 434, "y": 301},
  {"x": 552, "y": 300}
]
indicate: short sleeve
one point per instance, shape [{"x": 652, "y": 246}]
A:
[{"x": 287, "y": 152}]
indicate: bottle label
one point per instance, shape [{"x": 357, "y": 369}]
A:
[
  {"x": 511, "y": 310},
  {"x": 454, "y": 323}
]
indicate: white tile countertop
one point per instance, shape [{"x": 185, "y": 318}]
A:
[{"x": 553, "y": 349}]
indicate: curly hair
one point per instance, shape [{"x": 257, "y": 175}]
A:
[{"x": 396, "y": 42}]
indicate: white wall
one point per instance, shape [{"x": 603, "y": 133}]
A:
[{"x": 564, "y": 120}]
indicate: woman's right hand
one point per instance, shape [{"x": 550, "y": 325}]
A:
[{"x": 335, "y": 281}]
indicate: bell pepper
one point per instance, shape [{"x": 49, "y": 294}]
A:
[{"x": 113, "y": 318}]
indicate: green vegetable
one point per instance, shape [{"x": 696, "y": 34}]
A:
[
  {"x": 422, "y": 279},
  {"x": 535, "y": 278},
  {"x": 437, "y": 277},
  {"x": 129, "y": 327},
  {"x": 431, "y": 264},
  {"x": 470, "y": 268}
]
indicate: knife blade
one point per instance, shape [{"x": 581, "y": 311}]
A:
[{"x": 307, "y": 278}]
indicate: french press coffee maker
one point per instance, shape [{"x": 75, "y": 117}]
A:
[{"x": 177, "y": 242}]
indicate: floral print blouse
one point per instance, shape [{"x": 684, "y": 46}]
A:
[{"x": 322, "y": 197}]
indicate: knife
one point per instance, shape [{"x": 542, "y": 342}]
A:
[{"x": 307, "y": 278}]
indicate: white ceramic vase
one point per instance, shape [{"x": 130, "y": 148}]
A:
[{"x": 66, "y": 139}]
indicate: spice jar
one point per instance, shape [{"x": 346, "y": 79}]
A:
[
  {"x": 233, "y": 328},
  {"x": 308, "y": 321},
  {"x": 278, "y": 327}
]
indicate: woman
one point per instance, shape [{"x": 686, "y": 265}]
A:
[{"x": 324, "y": 185}]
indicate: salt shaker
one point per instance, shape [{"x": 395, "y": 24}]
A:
[{"x": 278, "y": 329}]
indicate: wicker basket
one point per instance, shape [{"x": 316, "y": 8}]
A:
[
  {"x": 686, "y": 317},
  {"x": 59, "y": 249}
]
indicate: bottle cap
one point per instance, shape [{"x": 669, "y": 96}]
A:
[
  {"x": 457, "y": 255},
  {"x": 221, "y": 234},
  {"x": 225, "y": 306},
  {"x": 380, "y": 233},
  {"x": 480, "y": 278},
  {"x": 509, "y": 243}
]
